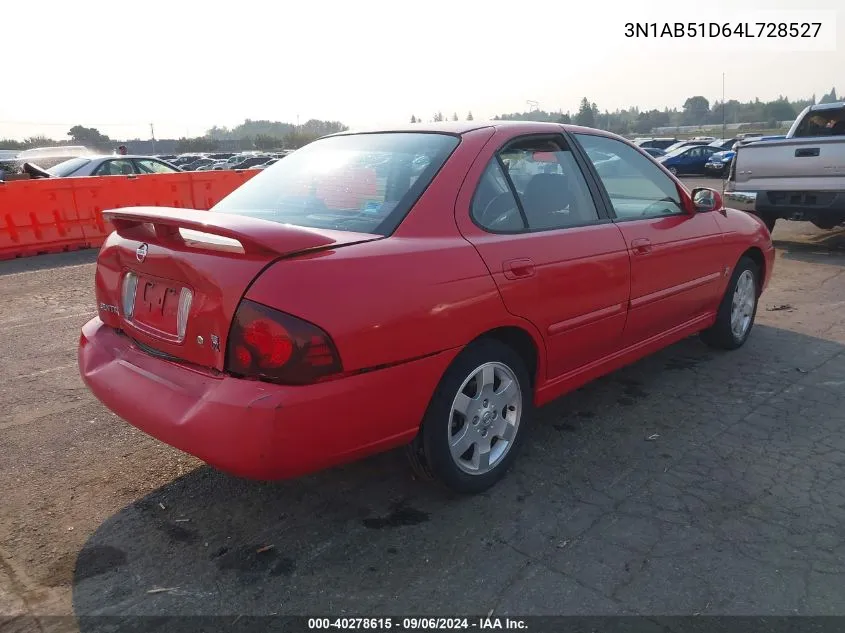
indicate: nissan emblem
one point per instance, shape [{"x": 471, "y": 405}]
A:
[{"x": 141, "y": 253}]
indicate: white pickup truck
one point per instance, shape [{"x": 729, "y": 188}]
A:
[{"x": 801, "y": 177}]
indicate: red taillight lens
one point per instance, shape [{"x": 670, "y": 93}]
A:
[{"x": 274, "y": 346}]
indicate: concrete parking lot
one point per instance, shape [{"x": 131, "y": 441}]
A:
[{"x": 691, "y": 482}]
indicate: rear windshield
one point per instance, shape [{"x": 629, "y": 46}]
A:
[
  {"x": 66, "y": 168},
  {"x": 364, "y": 183},
  {"x": 822, "y": 123}
]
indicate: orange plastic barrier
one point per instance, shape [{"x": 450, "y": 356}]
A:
[
  {"x": 35, "y": 219},
  {"x": 53, "y": 215}
]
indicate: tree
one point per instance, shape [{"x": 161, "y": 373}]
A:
[
  {"x": 413, "y": 119},
  {"x": 780, "y": 110},
  {"x": 198, "y": 144},
  {"x": 830, "y": 97},
  {"x": 295, "y": 140},
  {"x": 89, "y": 137},
  {"x": 265, "y": 142},
  {"x": 696, "y": 110},
  {"x": 564, "y": 118},
  {"x": 586, "y": 115},
  {"x": 469, "y": 116},
  {"x": 455, "y": 116}
]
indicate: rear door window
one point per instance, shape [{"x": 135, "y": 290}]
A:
[
  {"x": 120, "y": 167},
  {"x": 533, "y": 184}
]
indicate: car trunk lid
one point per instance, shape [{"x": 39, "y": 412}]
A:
[{"x": 171, "y": 279}]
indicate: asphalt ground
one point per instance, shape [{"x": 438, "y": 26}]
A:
[{"x": 693, "y": 482}]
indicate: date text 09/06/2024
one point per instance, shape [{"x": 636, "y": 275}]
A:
[
  {"x": 723, "y": 30},
  {"x": 417, "y": 624}
]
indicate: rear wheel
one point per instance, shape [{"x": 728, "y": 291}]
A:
[
  {"x": 735, "y": 317},
  {"x": 475, "y": 421},
  {"x": 673, "y": 171}
]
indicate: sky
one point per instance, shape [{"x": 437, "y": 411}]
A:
[{"x": 187, "y": 65}]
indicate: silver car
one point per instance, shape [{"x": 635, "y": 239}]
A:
[{"x": 109, "y": 165}]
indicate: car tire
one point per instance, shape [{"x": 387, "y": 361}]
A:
[
  {"x": 738, "y": 308},
  {"x": 673, "y": 171},
  {"x": 459, "y": 414}
]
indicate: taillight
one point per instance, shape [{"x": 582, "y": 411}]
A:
[
  {"x": 274, "y": 346},
  {"x": 130, "y": 285}
]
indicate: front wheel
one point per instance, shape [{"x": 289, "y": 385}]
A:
[
  {"x": 735, "y": 317},
  {"x": 475, "y": 421}
]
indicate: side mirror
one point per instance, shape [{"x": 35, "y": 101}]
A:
[{"x": 705, "y": 199}]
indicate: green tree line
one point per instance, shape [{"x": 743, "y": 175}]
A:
[
  {"x": 261, "y": 135},
  {"x": 696, "y": 111}
]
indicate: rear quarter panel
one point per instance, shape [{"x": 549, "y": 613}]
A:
[{"x": 388, "y": 301}]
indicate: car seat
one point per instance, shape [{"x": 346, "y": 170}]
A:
[{"x": 548, "y": 202}]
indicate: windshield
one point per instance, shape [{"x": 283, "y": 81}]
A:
[
  {"x": 365, "y": 183},
  {"x": 68, "y": 167},
  {"x": 677, "y": 151}
]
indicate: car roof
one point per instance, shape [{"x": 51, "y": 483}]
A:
[{"x": 464, "y": 127}]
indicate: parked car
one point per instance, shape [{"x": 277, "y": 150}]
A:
[
  {"x": 687, "y": 160},
  {"x": 659, "y": 143},
  {"x": 184, "y": 159},
  {"x": 321, "y": 316},
  {"x": 192, "y": 166},
  {"x": 654, "y": 151},
  {"x": 687, "y": 143},
  {"x": 252, "y": 161},
  {"x": 719, "y": 163},
  {"x": 723, "y": 143},
  {"x": 272, "y": 161},
  {"x": 799, "y": 177},
  {"x": 105, "y": 165}
]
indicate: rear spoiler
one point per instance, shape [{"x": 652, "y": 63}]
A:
[{"x": 254, "y": 235}]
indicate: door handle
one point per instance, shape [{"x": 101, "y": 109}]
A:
[
  {"x": 806, "y": 152},
  {"x": 518, "y": 268},
  {"x": 641, "y": 246}
]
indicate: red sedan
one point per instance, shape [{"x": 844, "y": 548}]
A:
[{"x": 426, "y": 286}]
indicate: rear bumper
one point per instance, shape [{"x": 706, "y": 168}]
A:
[
  {"x": 790, "y": 205},
  {"x": 801, "y": 205},
  {"x": 254, "y": 429}
]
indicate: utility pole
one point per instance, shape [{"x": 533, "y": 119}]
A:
[
  {"x": 153, "y": 136},
  {"x": 724, "y": 105}
]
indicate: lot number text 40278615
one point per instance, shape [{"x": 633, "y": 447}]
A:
[{"x": 714, "y": 30}]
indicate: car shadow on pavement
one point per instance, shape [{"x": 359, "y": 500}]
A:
[
  {"x": 692, "y": 481},
  {"x": 48, "y": 261},
  {"x": 826, "y": 247}
]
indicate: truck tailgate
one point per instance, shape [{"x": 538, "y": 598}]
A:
[{"x": 799, "y": 164}]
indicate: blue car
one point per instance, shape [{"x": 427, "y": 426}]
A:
[
  {"x": 719, "y": 163},
  {"x": 687, "y": 160}
]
